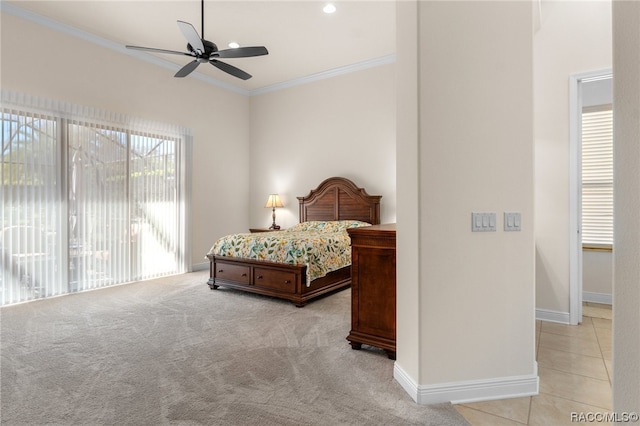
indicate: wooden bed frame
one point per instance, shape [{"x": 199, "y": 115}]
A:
[{"x": 335, "y": 198}]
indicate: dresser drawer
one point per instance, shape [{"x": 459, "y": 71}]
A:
[
  {"x": 274, "y": 279},
  {"x": 231, "y": 272}
]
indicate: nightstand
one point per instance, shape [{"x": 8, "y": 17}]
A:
[{"x": 256, "y": 230}]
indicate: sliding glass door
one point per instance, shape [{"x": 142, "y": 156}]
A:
[
  {"x": 30, "y": 237},
  {"x": 86, "y": 205}
]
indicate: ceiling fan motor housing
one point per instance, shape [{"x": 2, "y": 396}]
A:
[{"x": 209, "y": 48}]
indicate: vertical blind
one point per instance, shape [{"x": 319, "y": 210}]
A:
[
  {"x": 597, "y": 177},
  {"x": 30, "y": 192},
  {"x": 86, "y": 204}
]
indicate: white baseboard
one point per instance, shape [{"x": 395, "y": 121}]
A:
[
  {"x": 603, "y": 298},
  {"x": 553, "y": 316},
  {"x": 200, "y": 266},
  {"x": 469, "y": 391}
]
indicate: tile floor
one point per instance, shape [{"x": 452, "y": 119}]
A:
[{"x": 574, "y": 366}]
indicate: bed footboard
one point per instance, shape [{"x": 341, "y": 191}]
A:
[{"x": 273, "y": 279}]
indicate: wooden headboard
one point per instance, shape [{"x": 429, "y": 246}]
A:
[{"x": 338, "y": 198}]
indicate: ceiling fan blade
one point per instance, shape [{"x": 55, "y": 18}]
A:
[
  {"x": 230, "y": 69},
  {"x": 187, "y": 69},
  {"x": 153, "y": 49},
  {"x": 241, "y": 52},
  {"x": 191, "y": 35}
]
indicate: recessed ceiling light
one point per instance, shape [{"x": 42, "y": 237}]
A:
[
  {"x": 329, "y": 8},
  {"x": 233, "y": 45}
]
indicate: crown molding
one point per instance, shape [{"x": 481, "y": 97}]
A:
[
  {"x": 100, "y": 41},
  {"x": 371, "y": 63},
  {"x": 103, "y": 42}
]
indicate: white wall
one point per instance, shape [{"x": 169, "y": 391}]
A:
[
  {"x": 475, "y": 153},
  {"x": 343, "y": 126},
  {"x": 626, "y": 315},
  {"x": 63, "y": 67},
  {"x": 598, "y": 92},
  {"x": 408, "y": 183},
  {"x": 597, "y": 276},
  {"x": 574, "y": 37}
]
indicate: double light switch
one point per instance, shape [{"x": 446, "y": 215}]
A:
[{"x": 512, "y": 221}]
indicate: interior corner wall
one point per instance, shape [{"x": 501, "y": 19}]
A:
[
  {"x": 408, "y": 191},
  {"x": 108, "y": 80},
  {"x": 626, "y": 297},
  {"x": 476, "y": 289},
  {"x": 340, "y": 126},
  {"x": 574, "y": 37}
]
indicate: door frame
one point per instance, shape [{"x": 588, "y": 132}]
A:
[{"x": 575, "y": 190}]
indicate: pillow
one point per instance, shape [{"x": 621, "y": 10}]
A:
[{"x": 328, "y": 225}]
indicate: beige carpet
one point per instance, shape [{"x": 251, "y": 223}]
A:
[{"x": 171, "y": 351}]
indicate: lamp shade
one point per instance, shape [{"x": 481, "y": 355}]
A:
[{"x": 273, "y": 201}]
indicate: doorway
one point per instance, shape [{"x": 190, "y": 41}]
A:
[{"x": 587, "y": 90}]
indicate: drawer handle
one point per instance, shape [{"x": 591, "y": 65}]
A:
[
  {"x": 220, "y": 270},
  {"x": 244, "y": 275},
  {"x": 287, "y": 281},
  {"x": 259, "y": 277}
]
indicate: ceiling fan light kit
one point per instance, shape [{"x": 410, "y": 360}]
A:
[{"x": 203, "y": 51}]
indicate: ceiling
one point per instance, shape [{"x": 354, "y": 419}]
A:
[{"x": 302, "y": 40}]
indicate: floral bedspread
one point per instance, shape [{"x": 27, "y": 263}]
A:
[{"x": 323, "y": 246}]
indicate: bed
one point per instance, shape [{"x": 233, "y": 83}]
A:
[{"x": 337, "y": 203}]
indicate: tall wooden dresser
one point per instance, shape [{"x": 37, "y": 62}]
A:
[{"x": 373, "y": 287}]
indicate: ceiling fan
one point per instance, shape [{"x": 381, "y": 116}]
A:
[{"x": 204, "y": 51}]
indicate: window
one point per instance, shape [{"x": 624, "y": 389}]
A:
[
  {"x": 87, "y": 204},
  {"x": 597, "y": 177}
]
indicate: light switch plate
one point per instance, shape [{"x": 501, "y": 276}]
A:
[
  {"x": 483, "y": 222},
  {"x": 512, "y": 221}
]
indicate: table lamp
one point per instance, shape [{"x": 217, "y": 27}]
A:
[{"x": 274, "y": 201}]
